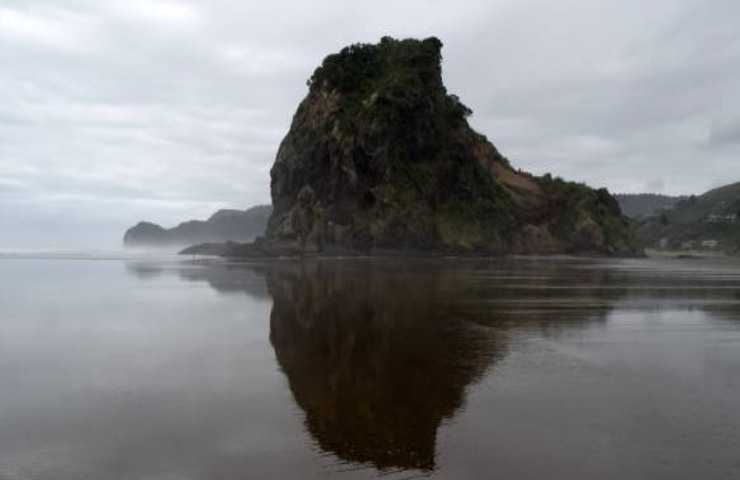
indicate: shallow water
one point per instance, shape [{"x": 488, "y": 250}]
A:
[{"x": 115, "y": 368}]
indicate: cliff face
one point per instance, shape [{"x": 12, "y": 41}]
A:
[
  {"x": 222, "y": 226},
  {"x": 379, "y": 157}
]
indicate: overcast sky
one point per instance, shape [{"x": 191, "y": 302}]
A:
[{"x": 115, "y": 111}]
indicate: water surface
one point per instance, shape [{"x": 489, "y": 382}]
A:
[{"x": 115, "y": 368}]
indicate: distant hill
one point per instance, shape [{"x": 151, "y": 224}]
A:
[
  {"x": 696, "y": 220},
  {"x": 222, "y": 226},
  {"x": 645, "y": 204}
]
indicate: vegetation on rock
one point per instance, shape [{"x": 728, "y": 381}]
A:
[{"x": 379, "y": 157}]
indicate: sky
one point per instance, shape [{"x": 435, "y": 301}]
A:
[{"x": 116, "y": 111}]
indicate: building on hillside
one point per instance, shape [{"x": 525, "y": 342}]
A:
[
  {"x": 710, "y": 244},
  {"x": 688, "y": 245}
]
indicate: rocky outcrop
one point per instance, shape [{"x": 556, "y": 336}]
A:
[
  {"x": 222, "y": 226},
  {"x": 380, "y": 158}
]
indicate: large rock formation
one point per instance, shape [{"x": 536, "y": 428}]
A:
[
  {"x": 380, "y": 158},
  {"x": 222, "y": 226}
]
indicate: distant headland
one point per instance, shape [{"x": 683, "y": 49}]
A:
[{"x": 222, "y": 226}]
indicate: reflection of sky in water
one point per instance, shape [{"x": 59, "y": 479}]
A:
[{"x": 528, "y": 369}]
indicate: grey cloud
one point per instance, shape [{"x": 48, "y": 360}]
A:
[{"x": 725, "y": 132}]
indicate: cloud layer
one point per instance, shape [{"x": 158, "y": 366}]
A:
[{"x": 120, "y": 110}]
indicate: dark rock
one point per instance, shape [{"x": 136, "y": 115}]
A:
[{"x": 380, "y": 158}]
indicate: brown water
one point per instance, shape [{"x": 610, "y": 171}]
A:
[{"x": 114, "y": 369}]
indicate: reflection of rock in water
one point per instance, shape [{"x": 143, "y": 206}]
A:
[
  {"x": 374, "y": 359},
  {"x": 223, "y": 278},
  {"x": 378, "y": 354},
  {"x": 144, "y": 270}
]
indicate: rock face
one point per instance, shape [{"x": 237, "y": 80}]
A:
[
  {"x": 222, "y": 226},
  {"x": 379, "y": 157}
]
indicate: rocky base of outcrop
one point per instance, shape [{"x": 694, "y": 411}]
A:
[{"x": 261, "y": 249}]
